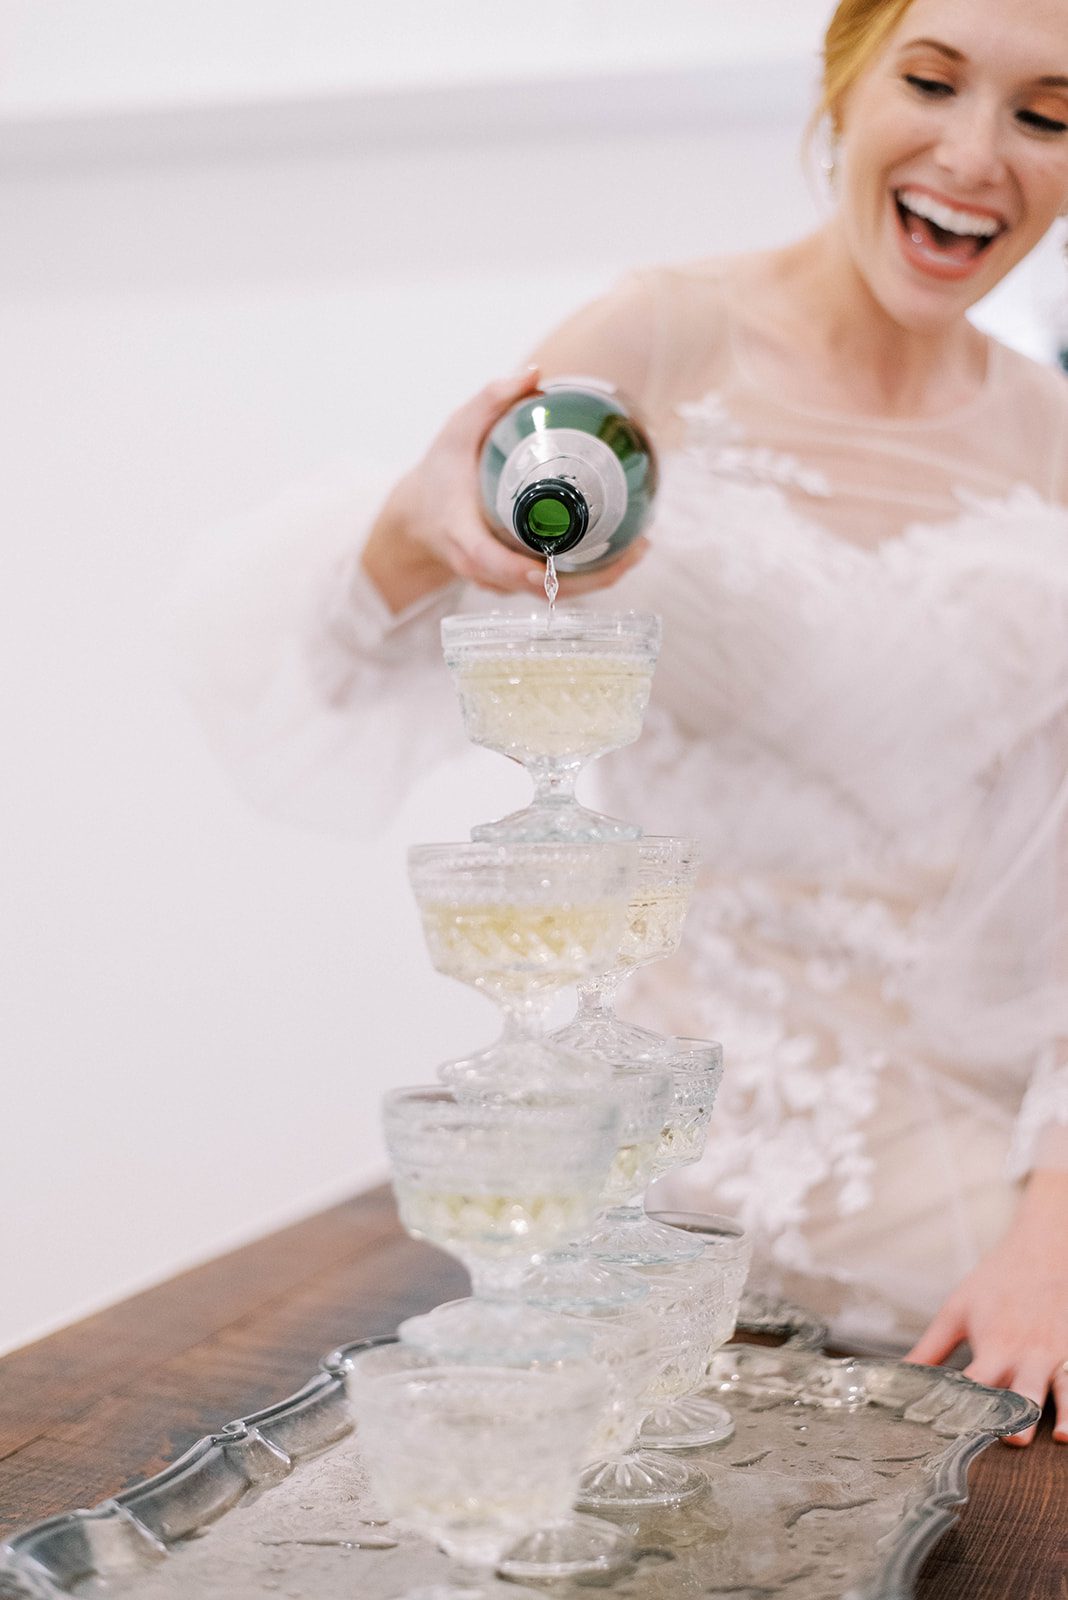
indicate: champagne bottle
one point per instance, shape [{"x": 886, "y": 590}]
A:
[{"x": 569, "y": 472}]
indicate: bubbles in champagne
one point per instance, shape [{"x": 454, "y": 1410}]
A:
[
  {"x": 654, "y": 924},
  {"x": 540, "y": 1219},
  {"x": 520, "y": 948},
  {"x": 554, "y": 705}
]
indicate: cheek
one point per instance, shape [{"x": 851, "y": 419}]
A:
[
  {"x": 866, "y": 182},
  {"x": 1044, "y": 203},
  {"x": 878, "y": 156},
  {"x": 1045, "y": 182}
]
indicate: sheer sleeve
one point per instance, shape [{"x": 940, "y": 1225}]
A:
[
  {"x": 1041, "y": 1134},
  {"x": 615, "y": 337},
  {"x": 322, "y": 706},
  {"x": 991, "y": 987}
]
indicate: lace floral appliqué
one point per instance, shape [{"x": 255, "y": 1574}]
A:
[
  {"x": 787, "y": 1120},
  {"x": 717, "y": 441}
]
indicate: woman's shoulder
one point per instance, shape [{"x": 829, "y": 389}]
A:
[
  {"x": 708, "y": 280},
  {"x": 1030, "y": 413},
  {"x": 647, "y": 329},
  {"x": 1042, "y": 381}
]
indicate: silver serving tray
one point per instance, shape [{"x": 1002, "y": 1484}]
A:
[{"x": 841, "y": 1475}]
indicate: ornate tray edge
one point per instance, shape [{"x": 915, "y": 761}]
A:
[
  {"x": 43, "y": 1560},
  {"x": 937, "y": 1514}
]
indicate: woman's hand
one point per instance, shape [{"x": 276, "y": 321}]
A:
[
  {"x": 431, "y": 529},
  {"x": 1013, "y": 1308}
]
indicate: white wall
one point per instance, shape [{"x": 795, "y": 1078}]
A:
[
  {"x": 228, "y": 255},
  {"x": 62, "y": 56}
]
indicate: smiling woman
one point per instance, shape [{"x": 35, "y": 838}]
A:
[
  {"x": 953, "y": 144},
  {"x": 861, "y": 706}
]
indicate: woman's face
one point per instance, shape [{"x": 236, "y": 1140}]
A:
[{"x": 954, "y": 152}]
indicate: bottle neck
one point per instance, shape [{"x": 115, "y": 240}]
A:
[
  {"x": 551, "y": 515},
  {"x": 561, "y": 487}
]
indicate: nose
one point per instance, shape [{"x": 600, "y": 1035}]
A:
[{"x": 970, "y": 148}]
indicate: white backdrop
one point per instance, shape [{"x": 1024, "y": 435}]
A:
[{"x": 240, "y": 238}]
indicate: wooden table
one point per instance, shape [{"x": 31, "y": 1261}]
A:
[{"x": 111, "y": 1400}]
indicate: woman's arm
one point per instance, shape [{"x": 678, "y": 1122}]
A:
[
  {"x": 1012, "y": 1310},
  {"x": 309, "y": 645},
  {"x": 431, "y": 530}
]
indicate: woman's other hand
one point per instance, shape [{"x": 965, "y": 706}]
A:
[
  {"x": 1012, "y": 1310},
  {"x": 431, "y": 530}
]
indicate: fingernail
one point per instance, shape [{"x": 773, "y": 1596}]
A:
[{"x": 536, "y": 580}]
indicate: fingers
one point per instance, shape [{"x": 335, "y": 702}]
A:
[
  {"x": 1032, "y": 1379},
  {"x": 1035, "y": 1380},
  {"x": 480, "y": 559},
  {"x": 991, "y": 1368},
  {"x": 477, "y": 557},
  {"x": 1060, "y": 1400},
  {"x": 941, "y": 1337},
  {"x": 588, "y": 582}
]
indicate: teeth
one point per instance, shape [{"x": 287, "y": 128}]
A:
[{"x": 963, "y": 222}]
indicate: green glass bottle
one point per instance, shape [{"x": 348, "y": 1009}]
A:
[{"x": 569, "y": 472}]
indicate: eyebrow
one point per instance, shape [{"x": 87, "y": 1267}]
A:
[{"x": 1047, "y": 81}]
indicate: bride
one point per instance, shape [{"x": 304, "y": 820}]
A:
[{"x": 861, "y": 709}]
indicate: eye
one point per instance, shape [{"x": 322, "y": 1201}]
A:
[
  {"x": 933, "y": 88},
  {"x": 1041, "y": 124}
]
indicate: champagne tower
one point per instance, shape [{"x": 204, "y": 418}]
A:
[{"x": 529, "y": 1159}]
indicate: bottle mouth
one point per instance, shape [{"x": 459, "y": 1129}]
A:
[{"x": 551, "y": 516}]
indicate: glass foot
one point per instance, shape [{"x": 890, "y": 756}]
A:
[
  {"x": 575, "y": 1547},
  {"x": 566, "y": 822},
  {"x": 631, "y": 1239},
  {"x": 602, "y": 1033},
  {"x": 525, "y": 1066},
  {"x": 686, "y": 1424},
  {"x": 644, "y": 1478},
  {"x": 576, "y": 1283}
]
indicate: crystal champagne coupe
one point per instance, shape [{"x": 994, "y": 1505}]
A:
[
  {"x": 588, "y": 1271},
  {"x": 625, "y": 1341},
  {"x": 473, "y": 1458},
  {"x": 519, "y": 923},
  {"x": 497, "y": 1184},
  {"x": 626, "y": 1234},
  {"x": 698, "y": 1418},
  {"x": 665, "y": 875},
  {"x": 632, "y": 1477},
  {"x": 553, "y": 693}
]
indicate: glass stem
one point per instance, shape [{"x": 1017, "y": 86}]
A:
[
  {"x": 524, "y": 1020},
  {"x": 597, "y": 998},
  {"x": 554, "y": 781},
  {"x": 497, "y": 1280}
]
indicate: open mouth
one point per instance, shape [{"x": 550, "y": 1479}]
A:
[{"x": 943, "y": 234}]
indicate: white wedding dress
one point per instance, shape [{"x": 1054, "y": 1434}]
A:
[{"x": 861, "y": 710}]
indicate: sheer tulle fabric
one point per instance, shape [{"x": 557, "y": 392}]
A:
[{"x": 861, "y": 710}]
